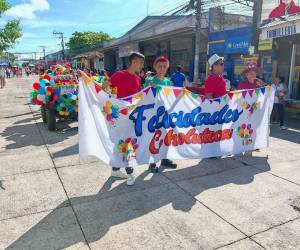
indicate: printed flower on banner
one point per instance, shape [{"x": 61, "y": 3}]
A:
[
  {"x": 245, "y": 132},
  {"x": 112, "y": 112},
  {"x": 251, "y": 107},
  {"x": 128, "y": 148}
]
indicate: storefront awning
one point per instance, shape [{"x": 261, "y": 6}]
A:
[{"x": 89, "y": 55}]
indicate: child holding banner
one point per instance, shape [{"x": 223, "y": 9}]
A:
[
  {"x": 161, "y": 66},
  {"x": 127, "y": 83}
]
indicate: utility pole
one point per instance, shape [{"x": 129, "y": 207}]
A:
[
  {"x": 61, "y": 37},
  {"x": 257, "y": 9},
  {"x": 197, "y": 40},
  {"x": 44, "y": 54}
]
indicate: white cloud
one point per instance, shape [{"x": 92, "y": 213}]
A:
[{"x": 27, "y": 10}]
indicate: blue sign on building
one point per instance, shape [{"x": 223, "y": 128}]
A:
[
  {"x": 237, "y": 45},
  {"x": 230, "y": 41}
]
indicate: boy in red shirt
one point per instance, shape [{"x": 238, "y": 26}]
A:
[
  {"x": 215, "y": 85},
  {"x": 127, "y": 82}
]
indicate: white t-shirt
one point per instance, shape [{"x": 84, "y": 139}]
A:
[{"x": 278, "y": 88}]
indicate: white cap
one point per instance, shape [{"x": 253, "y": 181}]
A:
[{"x": 213, "y": 59}]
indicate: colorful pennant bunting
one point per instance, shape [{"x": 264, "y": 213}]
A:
[
  {"x": 154, "y": 91},
  {"x": 146, "y": 91},
  {"x": 244, "y": 93},
  {"x": 230, "y": 94},
  {"x": 97, "y": 88},
  {"x": 177, "y": 92},
  {"x": 250, "y": 92},
  {"x": 167, "y": 91},
  {"x": 257, "y": 91}
]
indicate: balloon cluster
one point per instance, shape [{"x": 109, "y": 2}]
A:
[
  {"x": 128, "y": 148},
  {"x": 66, "y": 98},
  {"x": 245, "y": 133},
  {"x": 40, "y": 89},
  {"x": 57, "y": 89},
  {"x": 112, "y": 112}
]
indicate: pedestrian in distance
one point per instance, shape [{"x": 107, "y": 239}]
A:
[
  {"x": 127, "y": 83},
  {"x": 161, "y": 66},
  {"x": 215, "y": 85},
  {"x": 2, "y": 77}
]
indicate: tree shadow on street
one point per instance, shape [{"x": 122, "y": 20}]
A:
[
  {"x": 20, "y": 136},
  {"x": 112, "y": 206}
]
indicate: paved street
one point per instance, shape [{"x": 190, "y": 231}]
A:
[{"x": 51, "y": 200}]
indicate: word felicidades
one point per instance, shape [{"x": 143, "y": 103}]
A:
[
  {"x": 191, "y": 137},
  {"x": 196, "y": 118}
]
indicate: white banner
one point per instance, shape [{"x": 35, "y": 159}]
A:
[{"x": 173, "y": 123}]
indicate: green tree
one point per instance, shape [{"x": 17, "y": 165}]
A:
[
  {"x": 87, "y": 40},
  {"x": 11, "y": 30}
]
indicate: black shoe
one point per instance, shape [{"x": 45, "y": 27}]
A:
[
  {"x": 168, "y": 164},
  {"x": 153, "y": 168}
]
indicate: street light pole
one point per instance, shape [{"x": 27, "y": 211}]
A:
[{"x": 44, "y": 54}]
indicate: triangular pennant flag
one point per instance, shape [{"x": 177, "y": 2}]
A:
[
  {"x": 97, "y": 88},
  {"x": 237, "y": 95},
  {"x": 177, "y": 92},
  {"x": 167, "y": 91},
  {"x": 146, "y": 91},
  {"x": 244, "y": 93},
  {"x": 86, "y": 79},
  {"x": 210, "y": 101},
  {"x": 139, "y": 96},
  {"x": 186, "y": 92},
  {"x": 251, "y": 92},
  {"x": 218, "y": 100},
  {"x": 230, "y": 94},
  {"x": 257, "y": 91},
  {"x": 203, "y": 99},
  {"x": 263, "y": 90},
  {"x": 225, "y": 98},
  {"x": 194, "y": 95},
  {"x": 129, "y": 99},
  {"x": 154, "y": 90},
  {"x": 269, "y": 88},
  {"x": 158, "y": 89}
]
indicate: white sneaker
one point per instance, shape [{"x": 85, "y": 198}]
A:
[
  {"x": 130, "y": 179},
  {"x": 283, "y": 127},
  {"x": 118, "y": 174}
]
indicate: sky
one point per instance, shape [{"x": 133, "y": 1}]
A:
[{"x": 39, "y": 18}]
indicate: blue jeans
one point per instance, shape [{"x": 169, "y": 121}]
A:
[{"x": 280, "y": 110}]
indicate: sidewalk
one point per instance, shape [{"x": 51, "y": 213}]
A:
[{"x": 51, "y": 200}]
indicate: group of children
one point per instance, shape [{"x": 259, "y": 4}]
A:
[{"x": 128, "y": 82}]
